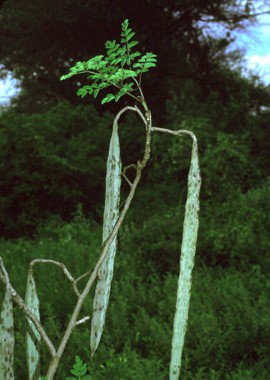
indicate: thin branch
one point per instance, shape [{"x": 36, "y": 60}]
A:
[
  {"x": 83, "y": 275},
  {"x": 139, "y": 88},
  {"x": 83, "y": 320},
  {"x": 124, "y": 173},
  {"x": 176, "y": 133},
  {"x": 4, "y": 275},
  {"x": 20, "y": 302},
  {"x": 72, "y": 323},
  {"x": 60, "y": 265},
  {"x": 141, "y": 115},
  {"x": 259, "y": 14},
  {"x": 130, "y": 166},
  {"x": 126, "y": 178}
]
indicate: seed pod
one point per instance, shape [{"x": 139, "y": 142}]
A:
[
  {"x": 188, "y": 249},
  {"x": 32, "y": 335},
  {"x": 7, "y": 340},
  {"x": 111, "y": 214}
]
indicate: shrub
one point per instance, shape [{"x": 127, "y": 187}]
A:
[{"x": 228, "y": 328}]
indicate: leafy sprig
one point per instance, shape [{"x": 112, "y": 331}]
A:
[
  {"x": 119, "y": 68},
  {"x": 145, "y": 62},
  {"x": 79, "y": 370}
]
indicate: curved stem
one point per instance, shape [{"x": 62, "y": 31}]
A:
[
  {"x": 176, "y": 133},
  {"x": 139, "y": 88},
  {"x": 73, "y": 321},
  {"x": 60, "y": 265}
]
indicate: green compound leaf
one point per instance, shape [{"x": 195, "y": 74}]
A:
[
  {"x": 96, "y": 92},
  {"x": 188, "y": 249},
  {"x": 33, "y": 338},
  {"x": 133, "y": 43},
  {"x": 113, "y": 68},
  {"x": 78, "y": 361},
  {"x": 148, "y": 57},
  {"x": 111, "y": 214},
  {"x": 134, "y": 55},
  {"x": 130, "y": 36},
  {"x": 125, "y": 25},
  {"x": 145, "y": 62},
  {"x": 126, "y": 88},
  {"x": 7, "y": 341},
  {"x": 104, "y": 100},
  {"x": 126, "y": 32},
  {"x": 149, "y": 64},
  {"x": 82, "y": 92},
  {"x": 123, "y": 61},
  {"x": 109, "y": 98},
  {"x": 79, "y": 370},
  {"x": 116, "y": 61}
]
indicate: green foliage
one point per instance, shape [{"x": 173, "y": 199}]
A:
[
  {"x": 236, "y": 232},
  {"x": 114, "y": 68},
  {"x": 233, "y": 231},
  {"x": 79, "y": 370},
  {"x": 229, "y": 319},
  {"x": 72, "y": 244},
  {"x": 49, "y": 163}
]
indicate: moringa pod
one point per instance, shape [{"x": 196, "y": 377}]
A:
[
  {"x": 111, "y": 214},
  {"x": 188, "y": 249},
  {"x": 32, "y": 335},
  {"x": 7, "y": 340}
]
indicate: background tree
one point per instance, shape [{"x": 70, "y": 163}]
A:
[{"x": 38, "y": 39}]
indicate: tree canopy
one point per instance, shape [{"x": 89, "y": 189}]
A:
[
  {"x": 40, "y": 40},
  {"x": 193, "y": 84}
]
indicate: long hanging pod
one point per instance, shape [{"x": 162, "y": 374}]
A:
[
  {"x": 7, "y": 340},
  {"x": 188, "y": 249},
  {"x": 111, "y": 213},
  {"x": 32, "y": 335}
]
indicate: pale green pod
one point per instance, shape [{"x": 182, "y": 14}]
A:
[
  {"x": 33, "y": 338},
  {"x": 7, "y": 340},
  {"x": 111, "y": 214},
  {"x": 188, "y": 249}
]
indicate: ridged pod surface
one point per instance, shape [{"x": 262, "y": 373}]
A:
[
  {"x": 7, "y": 340},
  {"x": 188, "y": 249},
  {"x": 111, "y": 214},
  {"x": 32, "y": 335}
]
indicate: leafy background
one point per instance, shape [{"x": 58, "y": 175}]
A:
[{"x": 53, "y": 149}]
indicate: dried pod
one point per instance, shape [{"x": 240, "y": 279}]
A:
[
  {"x": 111, "y": 214},
  {"x": 188, "y": 249},
  {"x": 7, "y": 340},
  {"x": 32, "y": 335}
]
